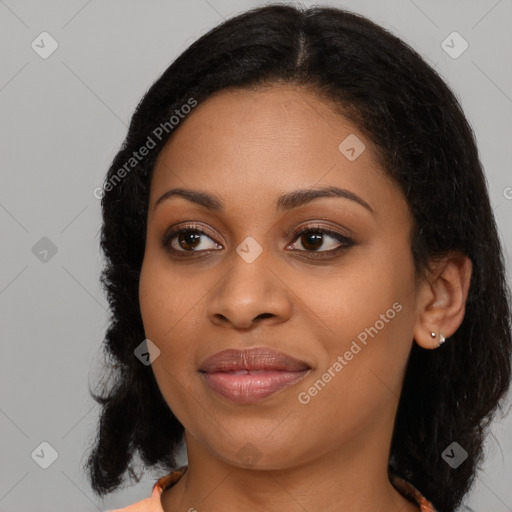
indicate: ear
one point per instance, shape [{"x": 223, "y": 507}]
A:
[{"x": 442, "y": 300}]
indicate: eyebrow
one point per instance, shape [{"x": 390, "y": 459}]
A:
[{"x": 287, "y": 201}]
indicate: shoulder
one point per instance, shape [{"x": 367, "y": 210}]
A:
[
  {"x": 153, "y": 503},
  {"x": 409, "y": 491}
]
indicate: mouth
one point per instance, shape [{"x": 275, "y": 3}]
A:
[{"x": 247, "y": 376}]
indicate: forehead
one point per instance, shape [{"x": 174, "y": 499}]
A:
[{"x": 255, "y": 144}]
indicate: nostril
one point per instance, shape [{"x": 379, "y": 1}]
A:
[{"x": 265, "y": 315}]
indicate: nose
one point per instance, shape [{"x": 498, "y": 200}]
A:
[{"x": 250, "y": 293}]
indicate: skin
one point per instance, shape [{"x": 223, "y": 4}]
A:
[{"x": 248, "y": 147}]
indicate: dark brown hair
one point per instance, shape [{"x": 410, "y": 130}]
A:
[{"x": 428, "y": 148}]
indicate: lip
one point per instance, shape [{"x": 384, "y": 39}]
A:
[{"x": 247, "y": 376}]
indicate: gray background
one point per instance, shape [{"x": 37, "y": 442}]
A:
[{"x": 63, "y": 118}]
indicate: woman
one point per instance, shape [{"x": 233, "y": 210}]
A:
[{"x": 305, "y": 276}]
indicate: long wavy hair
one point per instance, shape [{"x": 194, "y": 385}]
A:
[{"x": 426, "y": 145}]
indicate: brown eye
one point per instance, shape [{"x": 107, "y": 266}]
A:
[
  {"x": 189, "y": 239},
  {"x": 313, "y": 239}
]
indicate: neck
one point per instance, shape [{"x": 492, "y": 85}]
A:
[{"x": 354, "y": 477}]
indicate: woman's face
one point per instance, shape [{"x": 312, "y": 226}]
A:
[{"x": 341, "y": 305}]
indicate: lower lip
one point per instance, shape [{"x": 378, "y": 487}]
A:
[{"x": 250, "y": 387}]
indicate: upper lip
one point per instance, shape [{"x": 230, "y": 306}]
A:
[{"x": 259, "y": 358}]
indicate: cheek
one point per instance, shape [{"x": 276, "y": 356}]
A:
[
  {"x": 167, "y": 301},
  {"x": 151, "y": 299},
  {"x": 164, "y": 315},
  {"x": 363, "y": 373},
  {"x": 172, "y": 306},
  {"x": 354, "y": 297},
  {"x": 370, "y": 315}
]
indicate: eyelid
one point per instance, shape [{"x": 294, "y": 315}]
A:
[
  {"x": 171, "y": 233},
  {"x": 345, "y": 240},
  {"x": 316, "y": 226}
]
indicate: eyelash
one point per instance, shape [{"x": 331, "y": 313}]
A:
[{"x": 317, "y": 229}]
